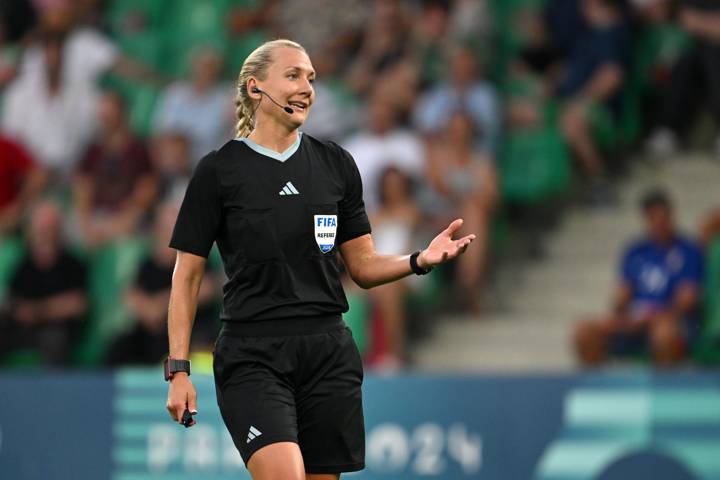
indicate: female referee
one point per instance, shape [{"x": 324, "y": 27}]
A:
[{"x": 280, "y": 204}]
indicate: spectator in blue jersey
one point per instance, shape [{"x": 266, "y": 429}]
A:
[{"x": 656, "y": 302}]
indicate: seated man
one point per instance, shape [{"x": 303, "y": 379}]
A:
[
  {"x": 115, "y": 185},
  {"x": 590, "y": 90},
  {"x": 146, "y": 342},
  {"x": 47, "y": 293},
  {"x": 657, "y": 299}
]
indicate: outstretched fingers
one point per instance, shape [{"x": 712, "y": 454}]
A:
[
  {"x": 463, "y": 243},
  {"x": 454, "y": 227}
]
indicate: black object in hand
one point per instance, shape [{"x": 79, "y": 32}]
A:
[{"x": 187, "y": 419}]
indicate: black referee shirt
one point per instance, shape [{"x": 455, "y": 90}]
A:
[{"x": 278, "y": 220}]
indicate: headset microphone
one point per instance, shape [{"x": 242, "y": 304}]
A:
[{"x": 286, "y": 108}]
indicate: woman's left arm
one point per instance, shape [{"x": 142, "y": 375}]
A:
[{"x": 369, "y": 269}]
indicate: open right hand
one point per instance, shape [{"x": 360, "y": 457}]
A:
[{"x": 181, "y": 395}]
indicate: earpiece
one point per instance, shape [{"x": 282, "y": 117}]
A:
[{"x": 287, "y": 109}]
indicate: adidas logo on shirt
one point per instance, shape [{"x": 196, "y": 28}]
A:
[
  {"x": 289, "y": 189},
  {"x": 253, "y": 433}
]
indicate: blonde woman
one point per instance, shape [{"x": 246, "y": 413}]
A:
[{"x": 280, "y": 205}]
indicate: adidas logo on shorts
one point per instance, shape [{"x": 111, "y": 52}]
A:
[{"x": 254, "y": 432}]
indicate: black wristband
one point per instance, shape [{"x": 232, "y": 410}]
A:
[
  {"x": 173, "y": 365},
  {"x": 415, "y": 267}
]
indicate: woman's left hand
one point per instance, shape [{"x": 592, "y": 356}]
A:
[{"x": 443, "y": 247}]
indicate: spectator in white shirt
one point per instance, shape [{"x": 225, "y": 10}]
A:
[{"x": 384, "y": 144}]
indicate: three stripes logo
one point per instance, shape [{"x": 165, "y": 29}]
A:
[
  {"x": 289, "y": 189},
  {"x": 252, "y": 434}
]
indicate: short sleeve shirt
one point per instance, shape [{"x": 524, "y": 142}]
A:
[
  {"x": 598, "y": 47},
  {"x": 655, "y": 273},
  {"x": 115, "y": 174},
  {"x": 33, "y": 282},
  {"x": 278, "y": 219}
]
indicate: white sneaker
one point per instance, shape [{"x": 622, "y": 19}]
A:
[{"x": 662, "y": 143}]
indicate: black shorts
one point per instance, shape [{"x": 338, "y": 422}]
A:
[
  {"x": 302, "y": 388},
  {"x": 632, "y": 344}
]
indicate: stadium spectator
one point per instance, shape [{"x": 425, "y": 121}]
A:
[
  {"x": 87, "y": 53},
  {"x": 115, "y": 185},
  {"x": 56, "y": 90},
  {"x": 462, "y": 183},
  {"x": 21, "y": 180},
  {"x": 334, "y": 111},
  {"x": 383, "y": 144},
  {"x": 470, "y": 19},
  {"x": 531, "y": 71},
  {"x": 48, "y": 111},
  {"x": 590, "y": 89},
  {"x": 565, "y": 24},
  {"x": 246, "y": 18},
  {"x": 660, "y": 43},
  {"x": 47, "y": 293},
  {"x": 198, "y": 107},
  {"x": 465, "y": 91},
  {"x": 148, "y": 298},
  {"x": 170, "y": 158},
  {"x": 431, "y": 42},
  {"x": 383, "y": 59},
  {"x": 395, "y": 224},
  {"x": 695, "y": 79},
  {"x": 319, "y": 24},
  {"x": 656, "y": 302}
]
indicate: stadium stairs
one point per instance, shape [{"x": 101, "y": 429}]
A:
[{"x": 533, "y": 305}]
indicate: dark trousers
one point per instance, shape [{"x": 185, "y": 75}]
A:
[
  {"x": 694, "y": 84},
  {"x": 53, "y": 341}
]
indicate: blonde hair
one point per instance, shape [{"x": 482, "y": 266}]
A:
[{"x": 255, "y": 65}]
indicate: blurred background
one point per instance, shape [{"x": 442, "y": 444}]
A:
[{"x": 579, "y": 139}]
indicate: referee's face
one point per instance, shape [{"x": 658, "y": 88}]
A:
[{"x": 290, "y": 81}]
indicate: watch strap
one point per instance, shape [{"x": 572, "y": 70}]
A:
[
  {"x": 417, "y": 270},
  {"x": 174, "y": 365}
]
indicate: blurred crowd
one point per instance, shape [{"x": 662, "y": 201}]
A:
[{"x": 451, "y": 108}]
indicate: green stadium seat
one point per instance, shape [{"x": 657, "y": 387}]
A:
[
  {"x": 239, "y": 48},
  {"x": 143, "y": 100},
  {"x": 534, "y": 166},
  {"x": 145, "y": 48},
  {"x": 190, "y": 24},
  {"x": 708, "y": 345},
  {"x": 112, "y": 269},
  {"x": 22, "y": 359},
  {"x": 12, "y": 250}
]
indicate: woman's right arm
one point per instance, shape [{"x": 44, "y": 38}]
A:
[{"x": 186, "y": 280}]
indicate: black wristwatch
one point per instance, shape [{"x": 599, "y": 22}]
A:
[
  {"x": 415, "y": 267},
  {"x": 173, "y": 365}
]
